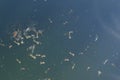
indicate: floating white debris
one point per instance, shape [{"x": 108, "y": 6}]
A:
[
  {"x": 112, "y": 64},
  {"x": 73, "y": 66},
  {"x": 28, "y": 37},
  {"x": 27, "y": 29},
  {"x": 17, "y": 43},
  {"x": 22, "y": 42},
  {"x": 18, "y": 61},
  {"x": 50, "y": 20},
  {"x": 69, "y": 34},
  {"x": 37, "y": 55},
  {"x": 99, "y": 72},
  {"x": 40, "y": 32},
  {"x": 42, "y": 62},
  {"x": 36, "y": 42},
  {"x": 88, "y": 68},
  {"x": 32, "y": 56},
  {"x": 72, "y": 54},
  {"x": 10, "y": 46},
  {"x": 105, "y": 61},
  {"x": 31, "y": 32},
  {"x": 31, "y": 48},
  {"x": 66, "y": 60},
  {"x": 17, "y": 35},
  {"x": 43, "y": 56},
  {"x": 96, "y": 38},
  {"x": 66, "y": 22},
  {"x": 37, "y": 35}
]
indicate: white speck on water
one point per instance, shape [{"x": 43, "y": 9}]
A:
[
  {"x": 99, "y": 72},
  {"x": 69, "y": 34},
  {"x": 18, "y": 61},
  {"x": 66, "y": 60},
  {"x": 32, "y": 56},
  {"x": 96, "y": 38},
  {"x": 73, "y": 66},
  {"x": 42, "y": 62},
  {"x": 88, "y": 68},
  {"x": 50, "y": 20},
  {"x": 105, "y": 61},
  {"x": 72, "y": 54}
]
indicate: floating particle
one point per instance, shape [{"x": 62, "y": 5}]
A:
[
  {"x": 28, "y": 37},
  {"x": 99, "y": 72},
  {"x": 72, "y": 54},
  {"x": 69, "y": 34},
  {"x": 18, "y": 61},
  {"x": 73, "y": 66},
  {"x": 37, "y": 55},
  {"x": 15, "y": 34},
  {"x": 31, "y": 32},
  {"x": 46, "y": 71},
  {"x": 32, "y": 56},
  {"x": 66, "y": 59},
  {"x": 37, "y": 42},
  {"x": 112, "y": 64},
  {"x": 66, "y": 22},
  {"x": 105, "y": 61},
  {"x": 42, "y": 62},
  {"x": 40, "y": 32},
  {"x": 37, "y": 35},
  {"x": 87, "y": 47},
  {"x": 50, "y": 20},
  {"x": 31, "y": 48},
  {"x": 17, "y": 43},
  {"x": 96, "y": 38},
  {"x": 27, "y": 29},
  {"x": 10, "y": 46},
  {"x": 22, "y": 68},
  {"x": 22, "y": 42},
  {"x": 43, "y": 56},
  {"x": 88, "y": 68}
]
